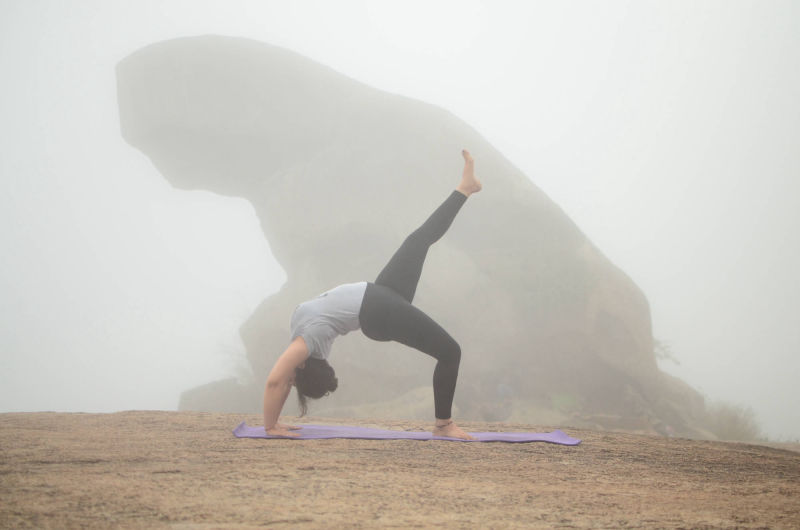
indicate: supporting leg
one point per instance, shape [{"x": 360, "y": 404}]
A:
[{"x": 385, "y": 315}]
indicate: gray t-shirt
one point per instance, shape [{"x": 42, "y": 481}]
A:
[{"x": 327, "y": 316}]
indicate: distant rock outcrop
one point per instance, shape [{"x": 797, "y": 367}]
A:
[{"x": 339, "y": 173}]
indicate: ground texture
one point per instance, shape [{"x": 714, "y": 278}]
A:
[{"x": 186, "y": 470}]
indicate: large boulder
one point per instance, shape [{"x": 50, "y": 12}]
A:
[{"x": 339, "y": 173}]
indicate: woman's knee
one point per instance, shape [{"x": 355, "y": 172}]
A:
[{"x": 451, "y": 352}]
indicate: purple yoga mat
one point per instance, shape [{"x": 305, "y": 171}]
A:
[{"x": 321, "y": 432}]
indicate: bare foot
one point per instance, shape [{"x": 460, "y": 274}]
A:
[
  {"x": 279, "y": 431},
  {"x": 451, "y": 430},
  {"x": 469, "y": 182}
]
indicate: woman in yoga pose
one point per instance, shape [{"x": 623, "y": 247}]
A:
[{"x": 384, "y": 312}]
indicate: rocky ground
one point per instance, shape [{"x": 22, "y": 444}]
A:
[{"x": 186, "y": 470}]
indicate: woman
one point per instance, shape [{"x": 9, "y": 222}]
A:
[{"x": 384, "y": 312}]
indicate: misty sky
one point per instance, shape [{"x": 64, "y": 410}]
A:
[{"x": 668, "y": 131}]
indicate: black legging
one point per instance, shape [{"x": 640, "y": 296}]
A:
[{"x": 387, "y": 314}]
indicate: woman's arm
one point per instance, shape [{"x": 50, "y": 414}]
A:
[{"x": 279, "y": 384}]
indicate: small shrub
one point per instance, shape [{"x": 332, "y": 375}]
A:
[
  {"x": 732, "y": 422},
  {"x": 663, "y": 352}
]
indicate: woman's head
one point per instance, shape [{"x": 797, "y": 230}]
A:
[{"x": 314, "y": 380}]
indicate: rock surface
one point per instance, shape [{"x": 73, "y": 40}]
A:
[
  {"x": 145, "y": 469},
  {"x": 339, "y": 173}
]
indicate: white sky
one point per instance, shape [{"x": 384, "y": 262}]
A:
[{"x": 667, "y": 130}]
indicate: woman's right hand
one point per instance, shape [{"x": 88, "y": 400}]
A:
[
  {"x": 279, "y": 384},
  {"x": 281, "y": 431}
]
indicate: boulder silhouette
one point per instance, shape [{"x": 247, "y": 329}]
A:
[{"x": 339, "y": 173}]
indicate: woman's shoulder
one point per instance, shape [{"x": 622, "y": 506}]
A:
[{"x": 353, "y": 285}]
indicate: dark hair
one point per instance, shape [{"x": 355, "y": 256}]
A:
[{"x": 315, "y": 380}]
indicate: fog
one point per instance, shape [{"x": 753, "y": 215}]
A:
[{"x": 667, "y": 132}]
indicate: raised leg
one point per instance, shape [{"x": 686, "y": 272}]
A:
[
  {"x": 403, "y": 271},
  {"x": 405, "y": 267}
]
